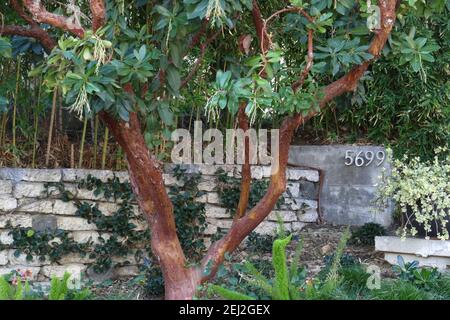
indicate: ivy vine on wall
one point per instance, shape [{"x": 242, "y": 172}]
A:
[{"x": 118, "y": 234}]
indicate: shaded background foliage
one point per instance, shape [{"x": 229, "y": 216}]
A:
[{"x": 402, "y": 105}]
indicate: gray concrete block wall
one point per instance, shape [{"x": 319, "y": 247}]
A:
[{"x": 349, "y": 191}]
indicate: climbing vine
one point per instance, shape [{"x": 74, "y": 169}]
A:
[
  {"x": 229, "y": 189},
  {"x": 118, "y": 231}
]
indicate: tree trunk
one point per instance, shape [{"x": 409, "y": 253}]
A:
[{"x": 148, "y": 185}]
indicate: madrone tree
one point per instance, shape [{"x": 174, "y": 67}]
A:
[{"x": 128, "y": 60}]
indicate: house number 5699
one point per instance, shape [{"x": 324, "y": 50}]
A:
[{"x": 364, "y": 158}]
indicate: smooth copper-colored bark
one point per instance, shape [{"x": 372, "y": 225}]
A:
[
  {"x": 34, "y": 32},
  {"x": 41, "y": 15},
  {"x": 242, "y": 227},
  {"x": 148, "y": 186},
  {"x": 246, "y": 175},
  {"x": 98, "y": 11}
]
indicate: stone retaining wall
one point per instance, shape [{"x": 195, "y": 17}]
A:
[{"x": 22, "y": 202}]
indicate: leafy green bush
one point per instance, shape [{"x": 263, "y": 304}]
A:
[
  {"x": 399, "y": 290},
  {"x": 420, "y": 190},
  {"x": 410, "y": 271},
  {"x": 259, "y": 243},
  {"x": 365, "y": 235}
]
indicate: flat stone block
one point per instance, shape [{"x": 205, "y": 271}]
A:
[
  {"x": 216, "y": 212},
  {"x": 75, "y": 271},
  {"x": 41, "y": 175},
  {"x": 126, "y": 271},
  {"x": 287, "y": 216},
  {"x": 84, "y": 194},
  {"x": 6, "y": 238},
  {"x": 213, "y": 197},
  {"x": 432, "y": 253},
  {"x": 420, "y": 247},
  {"x": 302, "y": 174},
  {"x": 5, "y": 187},
  {"x": 296, "y": 204},
  {"x": 207, "y": 184},
  {"x": 33, "y": 270},
  {"x": 7, "y": 203},
  {"x": 269, "y": 227},
  {"x": 17, "y": 220},
  {"x": 4, "y": 258},
  {"x": 210, "y": 229},
  {"x": 220, "y": 223},
  {"x": 170, "y": 180},
  {"x": 85, "y": 236},
  {"x": 64, "y": 208},
  {"x": 75, "y": 175},
  {"x": 309, "y": 215},
  {"x": 21, "y": 259},
  {"x": 74, "y": 224},
  {"x": 292, "y": 190},
  {"x": 256, "y": 172},
  {"x": 35, "y": 205},
  {"x": 29, "y": 190},
  {"x": 202, "y": 198}
]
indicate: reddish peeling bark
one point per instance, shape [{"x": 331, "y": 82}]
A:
[
  {"x": 98, "y": 11},
  {"x": 41, "y": 15},
  {"x": 246, "y": 176},
  {"x": 258, "y": 22},
  {"x": 34, "y": 32},
  {"x": 148, "y": 186},
  {"x": 242, "y": 227}
]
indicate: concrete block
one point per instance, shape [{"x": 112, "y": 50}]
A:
[
  {"x": 348, "y": 190},
  {"x": 432, "y": 253}
]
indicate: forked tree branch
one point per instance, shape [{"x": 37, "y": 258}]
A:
[
  {"x": 40, "y": 14},
  {"x": 33, "y": 31},
  {"x": 242, "y": 227}
]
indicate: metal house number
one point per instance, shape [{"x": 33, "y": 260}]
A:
[{"x": 364, "y": 158}]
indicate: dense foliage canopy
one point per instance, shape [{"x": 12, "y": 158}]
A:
[{"x": 159, "y": 49}]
